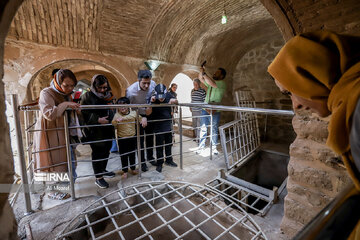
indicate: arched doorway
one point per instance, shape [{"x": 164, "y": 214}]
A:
[{"x": 185, "y": 85}]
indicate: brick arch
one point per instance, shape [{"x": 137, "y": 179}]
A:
[
  {"x": 282, "y": 18},
  {"x": 82, "y": 69},
  {"x": 119, "y": 69}
]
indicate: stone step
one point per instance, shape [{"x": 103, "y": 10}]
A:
[{"x": 186, "y": 130}]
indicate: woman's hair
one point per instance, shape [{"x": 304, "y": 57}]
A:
[
  {"x": 99, "y": 80},
  {"x": 173, "y": 84},
  {"x": 66, "y": 73},
  {"x": 123, "y": 100}
]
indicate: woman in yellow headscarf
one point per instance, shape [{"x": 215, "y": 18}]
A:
[{"x": 320, "y": 71}]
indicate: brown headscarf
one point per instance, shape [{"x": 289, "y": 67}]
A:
[{"x": 325, "y": 66}]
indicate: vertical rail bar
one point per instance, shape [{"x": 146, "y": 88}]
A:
[
  {"x": 211, "y": 132},
  {"x": 181, "y": 139},
  {"x": 27, "y": 143},
  {"x": 68, "y": 154},
  {"x": 138, "y": 140},
  {"x": 22, "y": 164}
]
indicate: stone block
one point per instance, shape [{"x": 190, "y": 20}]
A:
[
  {"x": 299, "y": 212},
  {"x": 307, "y": 126},
  {"x": 309, "y": 175}
]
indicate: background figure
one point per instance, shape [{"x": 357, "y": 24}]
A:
[
  {"x": 172, "y": 90},
  {"x": 162, "y": 129},
  {"x": 320, "y": 72},
  {"x": 198, "y": 95},
  {"x": 124, "y": 121},
  {"x": 53, "y": 101},
  {"x": 99, "y": 94},
  {"x": 140, "y": 93},
  {"x": 214, "y": 94}
]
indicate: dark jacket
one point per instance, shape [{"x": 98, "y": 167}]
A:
[{"x": 91, "y": 117}]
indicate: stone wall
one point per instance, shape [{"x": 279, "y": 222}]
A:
[
  {"x": 316, "y": 174},
  {"x": 8, "y": 229},
  {"x": 251, "y": 73}
]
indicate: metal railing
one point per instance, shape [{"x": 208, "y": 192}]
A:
[{"x": 28, "y": 167}]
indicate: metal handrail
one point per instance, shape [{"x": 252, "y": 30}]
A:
[
  {"x": 207, "y": 106},
  {"x": 139, "y": 149}
]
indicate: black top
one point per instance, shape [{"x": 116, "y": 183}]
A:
[
  {"x": 91, "y": 117},
  {"x": 159, "y": 113}
]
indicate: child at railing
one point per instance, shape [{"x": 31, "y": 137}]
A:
[
  {"x": 123, "y": 121},
  {"x": 162, "y": 129}
]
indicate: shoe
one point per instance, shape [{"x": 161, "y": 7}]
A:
[
  {"x": 109, "y": 175},
  {"x": 124, "y": 175},
  {"x": 159, "y": 168},
  {"x": 101, "y": 183},
  {"x": 58, "y": 195},
  {"x": 199, "y": 150},
  {"x": 171, "y": 163},
  {"x": 144, "y": 167},
  {"x": 215, "y": 152}
]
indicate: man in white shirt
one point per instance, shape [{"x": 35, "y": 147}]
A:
[{"x": 140, "y": 93}]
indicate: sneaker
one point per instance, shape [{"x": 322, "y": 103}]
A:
[
  {"x": 144, "y": 167},
  {"x": 199, "y": 150},
  {"x": 109, "y": 175},
  {"x": 215, "y": 151},
  {"x": 101, "y": 183},
  {"x": 171, "y": 163},
  {"x": 159, "y": 168}
]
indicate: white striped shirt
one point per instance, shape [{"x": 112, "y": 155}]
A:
[{"x": 198, "y": 96}]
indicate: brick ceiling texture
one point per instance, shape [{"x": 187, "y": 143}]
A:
[{"x": 177, "y": 31}]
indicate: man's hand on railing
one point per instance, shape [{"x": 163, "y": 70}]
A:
[
  {"x": 103, "y": 120},
  {"x": 144, "y": 122},
  {"x": 173, "y": 101}
]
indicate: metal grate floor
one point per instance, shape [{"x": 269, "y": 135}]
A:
[
  {"x": 245, "y": 197},
  {"x": 163, "y": 210}
]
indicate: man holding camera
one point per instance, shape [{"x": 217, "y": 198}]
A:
[{"x": 216, "y": 88}]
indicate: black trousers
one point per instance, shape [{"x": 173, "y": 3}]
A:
[
  {"x": 127, "y": 146},
  {"x": 149, "y": 142},
  {"x": 100, "y": 151},
  {"x": 161, "y": 139}
]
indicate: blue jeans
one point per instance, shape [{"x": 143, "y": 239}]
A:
[{"x": 204, "y": 123}]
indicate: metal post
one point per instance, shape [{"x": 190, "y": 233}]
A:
[
  {"x": 181, "y": 140},
  {"x": 138, "y": 140},
  {"x": 24, "y": 177},
  {"x": 211, "y": 132},
  {"x": 68, "y": 155},
  {"x": 27, "y": 144}
]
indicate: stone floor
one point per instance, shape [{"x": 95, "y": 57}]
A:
[{"x": 197, "y": 169}]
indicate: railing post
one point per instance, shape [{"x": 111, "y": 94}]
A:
[
  {"x": 27, "y": 144},
  {"x": 68, "y": 155},
  {"x": 211, "y": 132},
  {"x": 22, "y": 164},
  {"x": 181, "y": 137},
  {"x": 138, "y": 140}
]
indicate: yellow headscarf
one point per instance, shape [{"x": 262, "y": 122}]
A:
[{"x": 325, "y": 66}]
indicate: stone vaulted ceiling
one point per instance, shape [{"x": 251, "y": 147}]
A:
[{"x": 178, "y": 31}]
